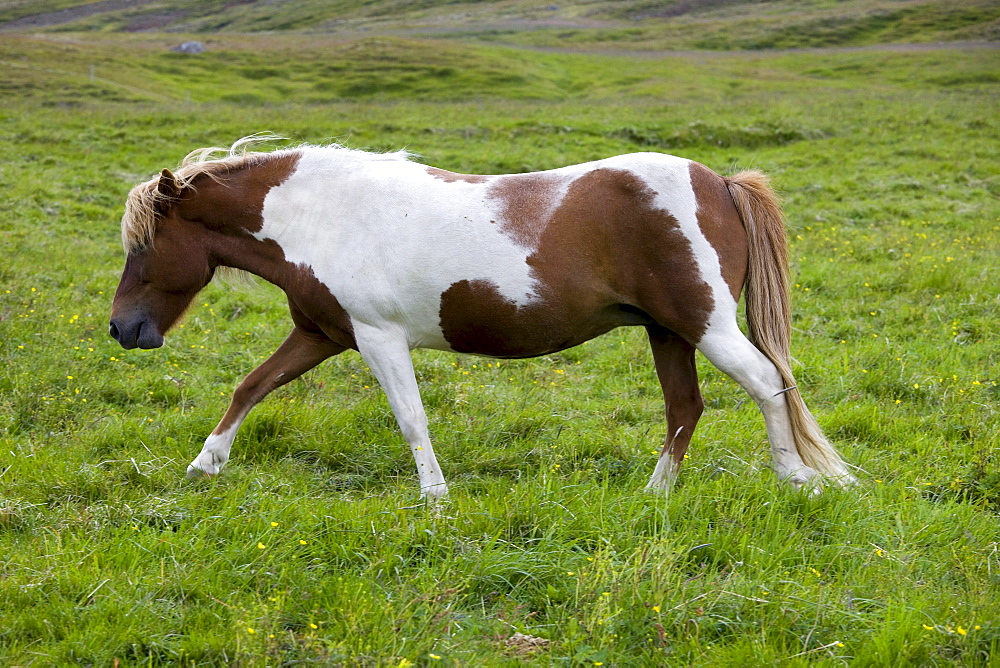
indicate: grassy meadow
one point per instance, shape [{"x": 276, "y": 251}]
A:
[{"x": 312, "y": 546}]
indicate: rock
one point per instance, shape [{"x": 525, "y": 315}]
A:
[{"x": 189, "y": 47}]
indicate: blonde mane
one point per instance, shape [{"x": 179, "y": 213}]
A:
[{"x": 145, "y": 201}]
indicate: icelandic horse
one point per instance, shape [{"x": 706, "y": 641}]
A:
[{"x": 381, "y": 254}]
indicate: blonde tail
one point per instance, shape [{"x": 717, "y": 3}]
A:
[{"x": 769, "y": 312}]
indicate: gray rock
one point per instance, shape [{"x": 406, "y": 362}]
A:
[{"x": 189, "y": 47}]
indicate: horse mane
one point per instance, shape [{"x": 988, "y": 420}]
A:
[{"x": 145, "y": 202}]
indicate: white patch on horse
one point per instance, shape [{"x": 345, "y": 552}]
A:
[{"x": 388, "y": 239}]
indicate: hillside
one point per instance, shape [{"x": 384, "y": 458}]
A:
[{"x": 601, "y": 24}]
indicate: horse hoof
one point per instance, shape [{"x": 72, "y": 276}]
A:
[
  {"x": 663, "y": 489},
  {"x": 194, "y": 473},
  {"x": 431, "y": 495},
  {"x": 663, "y": 484},
  {"x": 807, "y": 480},
  {"x": 845, "y": 480},
  {"x": 810, "y": 486}
]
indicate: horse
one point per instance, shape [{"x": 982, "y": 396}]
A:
[{"x": 381, "y": 254}]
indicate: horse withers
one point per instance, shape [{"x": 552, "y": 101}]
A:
[{"x": 382, "y": 255}]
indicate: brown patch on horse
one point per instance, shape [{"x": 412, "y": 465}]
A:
[
  {"x": 721, "y": 224},
  {"x": 605, "y": 257},
  {"x": 633, "y": 250},
  {"x": 524, "y": 199},
  {"x": 236, "y": 197},
  {"x": 464, "y": 302},
  {"x": 452, "y": 177}
]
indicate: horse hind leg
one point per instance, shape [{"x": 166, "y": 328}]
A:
[
  {"x": 728, "y": 349},
  {"x": 678, "y": 376}
]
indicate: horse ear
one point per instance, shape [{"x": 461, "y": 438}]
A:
[
  {"x": 168, "y": 190},
  {"x": 167, "y": 185}
]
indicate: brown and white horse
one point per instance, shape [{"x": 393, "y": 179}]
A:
[{"x": 380, "y": 254}]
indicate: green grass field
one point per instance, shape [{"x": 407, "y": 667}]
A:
[{"x": 312, "y": 546}]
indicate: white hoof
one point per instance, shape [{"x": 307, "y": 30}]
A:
[
  {"x": 664, "y": 475},
  {"x": 434, "y": 496},
  {"x": 661, "y": 485},
  {"x": 806, "y": 479},
  {"x": 194, "y": 472},
  {"x": 434, "y": 493},
  {"x": 206, "y": 465}
]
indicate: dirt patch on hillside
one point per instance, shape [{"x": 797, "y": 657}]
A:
[{"x": 71, "y": 14}]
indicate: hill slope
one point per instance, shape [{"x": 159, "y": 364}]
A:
[{"x": 637, "y": 24}]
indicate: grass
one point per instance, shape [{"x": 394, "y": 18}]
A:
[{"x": 312, "y": 547}]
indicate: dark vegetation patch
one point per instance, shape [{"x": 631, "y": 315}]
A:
[
  {"x": 881, "y": 26},
  {"x": 674, "y": 8},
  {"x": 700, "y": 133}
]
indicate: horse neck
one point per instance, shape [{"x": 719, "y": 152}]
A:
[{"x": 231, "y": 206}]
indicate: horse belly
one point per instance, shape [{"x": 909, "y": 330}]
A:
[{"x": 476, "y": 318}]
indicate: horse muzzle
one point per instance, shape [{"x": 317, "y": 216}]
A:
[{"x": 137, "y": 333}]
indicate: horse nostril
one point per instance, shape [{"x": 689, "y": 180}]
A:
[{"x": 113, "y": 331}]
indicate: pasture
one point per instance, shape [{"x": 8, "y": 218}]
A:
[{"x": 312, "y": 545}]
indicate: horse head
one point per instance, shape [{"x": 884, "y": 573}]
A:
[{"x": 165, "y": 266}]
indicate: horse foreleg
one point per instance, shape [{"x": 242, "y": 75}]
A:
[
  {"x": 300, "y": 352},
  {"x": 388, "y": 356},
  {"x": 675, "y": 368}
]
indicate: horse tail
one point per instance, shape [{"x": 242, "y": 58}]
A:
[{"x": 768, "y": 309}]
